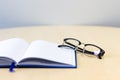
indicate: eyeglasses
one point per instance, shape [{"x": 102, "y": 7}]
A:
[{"x": 86, "y": 48}]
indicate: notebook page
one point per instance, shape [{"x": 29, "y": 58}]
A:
[
  {"x": 50, "y": 51},
  {"x": 13, "y": 48}
]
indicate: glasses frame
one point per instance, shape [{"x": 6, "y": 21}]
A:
[{"x": 66, "y": 43}]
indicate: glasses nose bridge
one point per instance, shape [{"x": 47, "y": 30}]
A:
[{"x": 82, "y": 45}]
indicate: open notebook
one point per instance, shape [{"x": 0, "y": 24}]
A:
[{"x": 37, "y": 54}]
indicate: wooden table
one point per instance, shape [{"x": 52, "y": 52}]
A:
[{"x": 89, "y": 68}]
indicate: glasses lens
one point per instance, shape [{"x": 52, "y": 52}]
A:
[
  {"x": 92, "y": 48},
  {"x": 76, "y": 43}
]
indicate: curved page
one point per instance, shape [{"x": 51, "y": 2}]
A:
[
  {"x": 13, "y": 48},
  {"x": 50, "y": 51}
]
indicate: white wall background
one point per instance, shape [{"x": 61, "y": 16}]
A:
[{"x": 64, "y": 12}]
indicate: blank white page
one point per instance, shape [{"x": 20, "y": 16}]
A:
[
  {"x": 50, "y": 51},
  {"x": 13, "y": 48}
]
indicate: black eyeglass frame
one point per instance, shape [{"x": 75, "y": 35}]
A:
[{"x": 66, "y": 43}]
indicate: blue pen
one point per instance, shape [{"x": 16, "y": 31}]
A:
[{"x": 11, "y": 69}]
